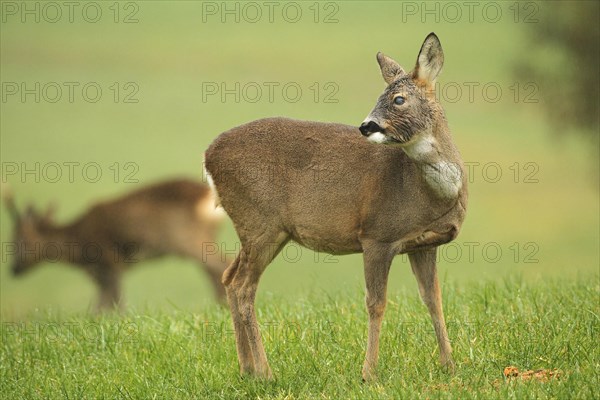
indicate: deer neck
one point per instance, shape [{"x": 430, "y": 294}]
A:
[
  {"x": 438, "y": 161},
  {"x": 62, "y": 243}
]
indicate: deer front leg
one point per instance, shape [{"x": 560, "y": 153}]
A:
[
  {"x": 109, "y": 284},
  {"x": 424, "y": 267},
  {"x": 377, "y": 260}
]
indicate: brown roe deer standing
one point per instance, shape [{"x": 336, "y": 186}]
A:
[
  {"x": 173, "y": 217},
  {"x": 328, "y": 188}
]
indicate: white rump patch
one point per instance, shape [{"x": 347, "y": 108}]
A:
[
  {"x": 214, "y": 194},
  {"x": 444, "y": 177},
  {"x": 209, "y": 178},
  {"x": 377, "y": 137},
  {"x": 207, "y": 211}
]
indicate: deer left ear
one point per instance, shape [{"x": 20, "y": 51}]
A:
[
  {"x": 429, "y": 61},
  {"x": 390, "y": 69},
  {"x": 31, "y": 213}
]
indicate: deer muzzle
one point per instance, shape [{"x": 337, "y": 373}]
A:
[
  {"x": 17, "y": 271},
  {"x": 369, "y": 126}
]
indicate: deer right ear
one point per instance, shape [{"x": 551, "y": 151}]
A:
[
  {"x": 429, "y": 61},
  {"x": 9, "y": 201},
  {"x": 390, "y": 69}
]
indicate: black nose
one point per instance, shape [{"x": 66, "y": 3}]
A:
[{"x": 366, "y": 128}]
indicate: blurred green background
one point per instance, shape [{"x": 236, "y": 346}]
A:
[{"x": 542, "y": 211}]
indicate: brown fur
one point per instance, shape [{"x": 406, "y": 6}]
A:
[
  {"x": 326, "y": 187},
  {"x": 150, "y": 222}
]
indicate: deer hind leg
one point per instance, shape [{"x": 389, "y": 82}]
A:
[
  {"x": 206, "y": 251},
  {"x": 241, "y": 281},
  {"x": 424, "y": 267},
  {"x": 377, "y": 262},
  {"x": 245, "y": 358},
  {"x": 215, "y": 275}
]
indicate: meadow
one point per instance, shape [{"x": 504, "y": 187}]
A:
[
  {"x": 521, "y": 283},
  {"x": 316, "y": 347}
]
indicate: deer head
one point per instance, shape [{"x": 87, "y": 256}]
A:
[
  {"x": 408, "y": 107},
  {"x": 29, "y": 239}
]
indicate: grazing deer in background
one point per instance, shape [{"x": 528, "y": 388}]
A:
[
  {"x": 173, "y": 217},
  {"x": 401, "y": 190}
]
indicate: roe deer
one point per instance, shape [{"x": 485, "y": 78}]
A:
[
  {"x": 172, "y": 217},
  {"x": 328, "y": 188}
]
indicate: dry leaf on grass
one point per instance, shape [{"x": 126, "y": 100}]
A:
[{"x": 540, "y": 375}]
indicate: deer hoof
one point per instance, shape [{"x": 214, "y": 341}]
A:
[
  {"x": 448, "y": 366},
  {"x": 265, "y": 374},
  {"x": 368, "y": 375}
]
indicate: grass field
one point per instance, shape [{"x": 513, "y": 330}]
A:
[
  {"x": 521, "y": 283},
  {"x": 316, "y": 347}
]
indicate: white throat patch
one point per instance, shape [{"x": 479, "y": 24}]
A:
[
  {"x": 377, "y": 137},
  {"x": 444, "y": 177},
  {"x": 421, "y": 147}
]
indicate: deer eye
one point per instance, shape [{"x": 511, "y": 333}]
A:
[{"x": 399, "y": 100}]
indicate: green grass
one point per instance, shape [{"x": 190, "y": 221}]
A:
[{"x": 315, "y": 346}]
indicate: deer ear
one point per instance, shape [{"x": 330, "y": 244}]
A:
[
  {"x": 9, "y": 201},
  {"x": 50, "y": 211},
  {"x": 390, "y": 69},
  {"x": 429, "y": 61},
  {"x": 30, "y": 212}
]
